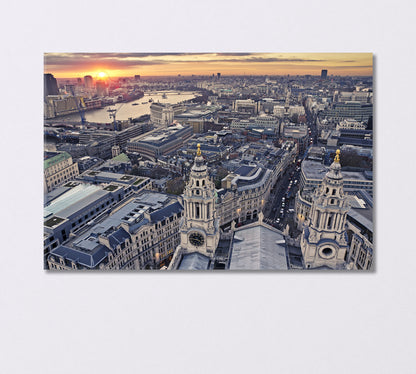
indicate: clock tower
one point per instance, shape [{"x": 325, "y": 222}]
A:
[{"x": 199, "y": 228}]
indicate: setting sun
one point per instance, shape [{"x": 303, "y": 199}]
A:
[{"x": 105, "y": 66}]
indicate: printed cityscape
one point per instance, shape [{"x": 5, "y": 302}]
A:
[{"x": 208, "y": 161}]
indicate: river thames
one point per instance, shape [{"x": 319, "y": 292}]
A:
[{"x": 132, "y": 109}]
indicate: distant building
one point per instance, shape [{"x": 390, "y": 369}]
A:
[
  {"x": 355, "y": 110},
  {"x": 288, "y": 111},
  {"x": 196, "y": 116},
  {"x": 297, "y": 133},
  {"x": 88, "y": 81},
  {"x": 58, "y": 168},
  {"x": 162, "y": 114},
  {"x": 60, "y": 105},
  {"x": 50, "y": 85},
  {"x": 324, "y": 73},
  {"x": 115, "y": 151},
  {"x": 160, "y": 142},
  {"x": 137, "y": 77},
  {"x": 247, "y": 106},
  {"x": 262, "y": 121},
  {"x": 351, "y": 124},
  {"x": 362, "y": 96},
  {"x": 316, "y": 154},
  {"x": 313, "y": 173},
  {"x": 101, "y": 88}
]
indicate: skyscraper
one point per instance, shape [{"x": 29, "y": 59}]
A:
[
  {"x": 101, "y": 87},
  {"x": 50, "y": 85},
  {"x": 324, "y": 73},
  {"x": 88, "y": 82}
]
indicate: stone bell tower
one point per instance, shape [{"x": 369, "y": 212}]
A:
[
  {"x": 324, "y": 241},
  {"x": 199, "y": 229}
]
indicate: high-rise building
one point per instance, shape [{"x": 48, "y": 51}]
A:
[
  {"x": 50, "y": 85},
  {"x": 137, "y": 77},
  {"x": 324, "y": 73},
  {"x": 88, "y": 81},
  {"x": 101, "y": 88},
  {"x": 218, "y": 75}
]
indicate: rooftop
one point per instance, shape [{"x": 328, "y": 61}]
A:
[
  {"x": 316, "y": 170},
  {"x": 131, "y": 213},
  {"x": 54, "y": 158},
  {"x": 72, "y": 200},
  {"x": 194, "y": 261},
  {"x": 122, "y": 157},
  {"x": 160, "y": 135},
  {"x": 258, "y": 247}
]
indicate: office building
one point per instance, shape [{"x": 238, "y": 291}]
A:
[
  {"x": 297, "y": 133},
  {"x": 160, "y": 142},
  {"x": 140, "y": 233},
  {"x": 162, "y": 114},
  {"x": 101, "y": 88},
  {"x": 196, "y": 116},
  {"x": 313, "y": 173},
  {"x": 324, "y": 73},
  {"x": 58, "y": 168},
  {"x": 246, "y": 106},
  {"x": 88, "y": 81},
  {"x": 355, "y": 110},
  {"x": 50, "y": 85}
]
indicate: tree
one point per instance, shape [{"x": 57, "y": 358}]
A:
[
  {"x": 220, "y": 174},
  {"x": 175, "y": 186}
]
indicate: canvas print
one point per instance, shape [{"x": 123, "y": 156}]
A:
[{"x": 208, "y": 161}]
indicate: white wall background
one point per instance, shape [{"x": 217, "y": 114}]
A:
[{"x": 206, "y": 323}]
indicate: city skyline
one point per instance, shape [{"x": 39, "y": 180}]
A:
[{"x": 74, "y": 65}]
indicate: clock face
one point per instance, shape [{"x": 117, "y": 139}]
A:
[{"x": 196, "y": 239}]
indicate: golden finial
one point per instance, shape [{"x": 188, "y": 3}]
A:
[
  {"x": 198, "y": 153},
  {"x": 336, "y": 159}
]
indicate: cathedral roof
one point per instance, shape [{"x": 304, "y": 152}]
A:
[
  {"x": 258, "y": 248},
  {"x": 194, "y": 261}
]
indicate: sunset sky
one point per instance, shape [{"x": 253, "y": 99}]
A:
[{"x": 71, "y": 65}]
